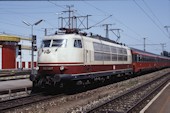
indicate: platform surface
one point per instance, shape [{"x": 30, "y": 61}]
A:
[
  {"x": 161, "y": 104},
  {"x": 15, "y": 84}
]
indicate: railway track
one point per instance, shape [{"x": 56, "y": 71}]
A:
[
  {"x": 24, "y": 101},
  {"x": 133, "y": 100}
]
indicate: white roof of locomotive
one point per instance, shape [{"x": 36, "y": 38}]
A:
[{"x": 59, "y": 36}]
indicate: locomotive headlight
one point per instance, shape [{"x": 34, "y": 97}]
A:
[{"x": 62, "y": 68}]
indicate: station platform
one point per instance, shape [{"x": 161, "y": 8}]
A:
[
  {"x": 160, "y": 103},
  {"x": 15, "y": 84},
  {"x": 14, "y": 74}
]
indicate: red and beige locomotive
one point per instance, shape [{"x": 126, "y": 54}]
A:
[{"x": 76, "y": 57}]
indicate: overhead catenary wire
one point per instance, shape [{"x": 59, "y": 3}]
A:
[
  {"x": 160, "y": 28},
  {"x": 100, "y": 21},
  {"x": 152, "y": 13},
  {"x": 60, "y": 6},
  {"x": 114, "y": 18},
  {"x": 150, "y": 18}
]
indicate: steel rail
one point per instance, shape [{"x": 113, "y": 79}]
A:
[
  {"x": 126, "y": 93},
  {"x": 146, "y": 97},
  {"x": 23, "y": 101}
]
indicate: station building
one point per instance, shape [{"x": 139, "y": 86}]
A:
[{"x": 9, "y": 53}]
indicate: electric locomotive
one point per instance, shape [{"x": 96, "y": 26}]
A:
[{"x": 77, "y": 57}]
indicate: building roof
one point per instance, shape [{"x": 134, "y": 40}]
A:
[{"x": 9, "y": 38}]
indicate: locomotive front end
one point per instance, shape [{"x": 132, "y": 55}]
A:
[{"x": 56, "y": 60}]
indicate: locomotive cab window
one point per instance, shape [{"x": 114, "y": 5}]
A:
[
  {"x": 59, "y": 43},
  {"x": 77, "y": 44},
  {"x": 46, "y": 43}
]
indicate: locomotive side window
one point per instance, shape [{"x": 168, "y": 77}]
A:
[
  {"x": 46, "y": 43},
  {"x": 97, "y": 46},
  {"x": 114, "y": 49},
  {"x": 124, "y": 51},
  {"x": 122, "y": 54},
  {"x": 106, "y": 48},
  {"x": 120, "y": 50},
  {"x": 77, "y": 44},
  {"x": 125, "y": 58},
  {"x": 98, "y": 56},
  {"x": 120, "y": 57},
  {"x": 104, "y": 52},
  {"x": 114, "y": 57},
  {"x": 59, "y": 43},
  {"x": 106, "y": 57}
]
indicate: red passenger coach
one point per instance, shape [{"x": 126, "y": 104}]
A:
[{"x": 145, "y": 61}]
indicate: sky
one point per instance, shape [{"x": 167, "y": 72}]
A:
[{"x": 136, "y": 19}]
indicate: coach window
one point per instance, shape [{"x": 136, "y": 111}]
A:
[
  {"x": 134, "y": 57},
  {"x": 138, "y": 58},
  {"x": 77, "y": 44}
]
